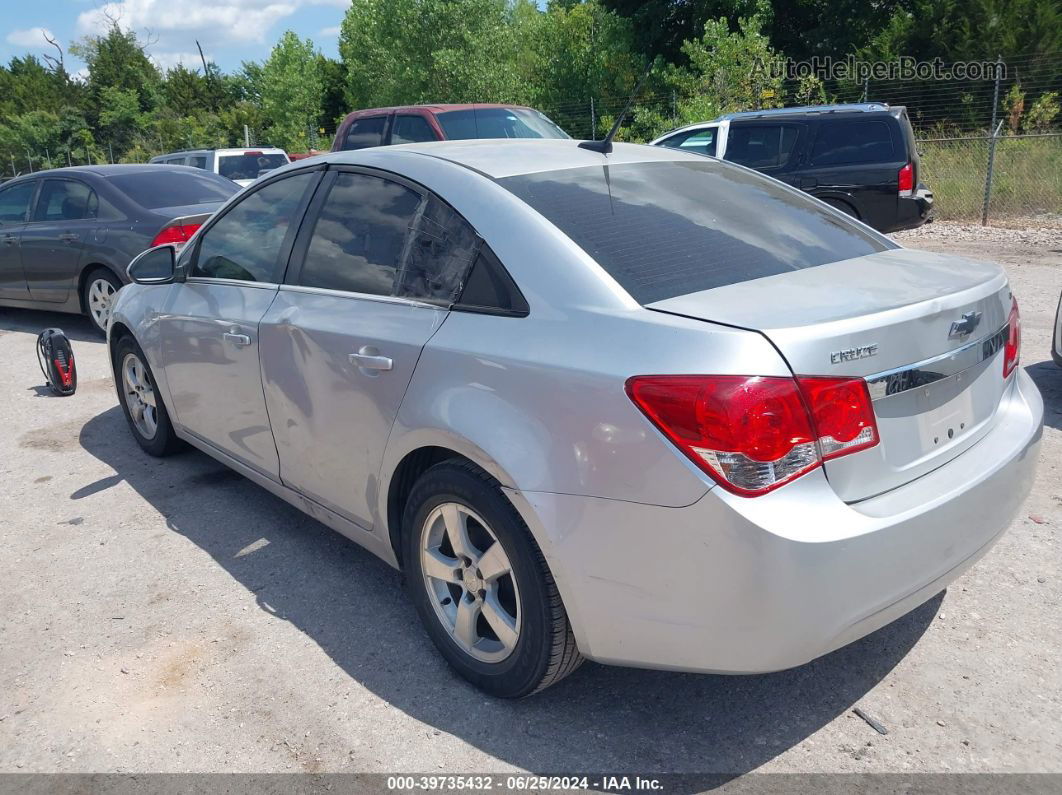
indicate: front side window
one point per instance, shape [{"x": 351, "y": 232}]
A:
[
  {"x": 852, "y": 142},
  {"x": 14, "y": 202},
  {"x": 761, "y": 146},
  {"x": 671, "y": 228},
  {"x": 65, "y": 200},
  {"x": 700, "y": 141},
  {"x": 247, "y": 241},
  {"x": 364, "y": 133},
  {"x": 410, "y": 129}
]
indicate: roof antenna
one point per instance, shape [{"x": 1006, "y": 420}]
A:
[{"x": 604, "y": 146}]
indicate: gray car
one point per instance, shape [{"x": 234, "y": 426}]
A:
[
  {"x": 646, "y": 408},
  {"x": 67, "y": 235}
]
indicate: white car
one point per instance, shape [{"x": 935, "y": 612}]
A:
[{"x": 242, "y": 166}]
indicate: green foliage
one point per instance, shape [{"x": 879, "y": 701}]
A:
[
  {"x": 1042, "y": 113},
  {"x": 707, "y": 57},
  {"x": 734, "y": 68},
  {"x": 409, "y": 51},
  {"x": 291, "y": 92}
]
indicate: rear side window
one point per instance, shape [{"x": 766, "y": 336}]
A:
[
  {"x": 245, "y": 243},
  {"x": 153, "y": 190},
  {"x": 364, "y": 133},
  {"x": 700, "y": 141},
  {"x": 672, "y": 228},
  {"x": 410, "y": 129},
  {"x": 14, "y": 202},
  {"x": 376, "y": 236},
  {"x": 65, "y": 200},
  {"x": 852, "y": 142},
  {"x": 761, "y": 145},
  {"x": 197, "y": 161},
  {"x": 359, "y": 236}
]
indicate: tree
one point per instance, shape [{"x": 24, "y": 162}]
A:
[
  {"x": 407, "y": 51},
  {"x": 117, "y": 60},
  {"x": 663, "y": 26},
  {"x": 584, "y": 52},
  {"x": 292, "y": 92}
]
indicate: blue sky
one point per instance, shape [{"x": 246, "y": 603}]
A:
[{"x": 230, "y": 31}]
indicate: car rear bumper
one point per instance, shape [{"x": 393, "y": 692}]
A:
[
  {"x": 735, "y": 585},
  {"x": 913, "y": 211}
]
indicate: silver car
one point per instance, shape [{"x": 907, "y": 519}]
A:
[{"x": 647, "y": 408}]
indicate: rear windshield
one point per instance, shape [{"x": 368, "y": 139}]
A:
[
  {"x": 173, "y": 188},
  {"x": 672, "y": 228},
  {"x": 498, "y": 123},
  {"x": 249, "y": 166},
  {"x": 166, "y": 188}
]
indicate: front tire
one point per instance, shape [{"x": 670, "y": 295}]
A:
[
  {"x": 481, "y": 585},
  {"x": 143, "y": 407},
  {"x": 98, "y": 296}
]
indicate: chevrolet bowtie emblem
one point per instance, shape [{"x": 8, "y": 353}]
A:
[{"x": 964, "y": 326}]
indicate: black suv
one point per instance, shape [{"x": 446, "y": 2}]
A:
[{"x": 859, "y": 158}]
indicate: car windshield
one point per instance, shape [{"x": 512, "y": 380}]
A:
[
  {"x": 167, "y": 187},
  {"x": 498, "y": 123},
  {"x": 248, "y": 165},
  {"x": 670, "y": 228}
]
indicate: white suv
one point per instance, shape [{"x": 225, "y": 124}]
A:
[{"x": 242, "y": 166}]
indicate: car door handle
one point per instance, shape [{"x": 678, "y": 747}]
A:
[
  {"x": 69, "y": 237},
  {"x": 368, "y": 359},
  {"x": 239, "y": 340},
  {"x": 11, "y": 240}
]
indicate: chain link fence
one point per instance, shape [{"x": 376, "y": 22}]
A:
[{"x": 1022, "y": 178}]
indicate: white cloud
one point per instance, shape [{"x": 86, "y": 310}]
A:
[
  {"x": 218, "y": 21},
  {"x": 328, "y": 33},
  {"x": 31, "y": 37}
]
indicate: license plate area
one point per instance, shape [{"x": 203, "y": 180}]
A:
[{"x": 940, "y": 418}]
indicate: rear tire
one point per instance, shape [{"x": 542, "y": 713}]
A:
[
  {"x": 143, "y": 407},
  {"x": 98, "y": 295},
  {"x": 488, "y": 600}
]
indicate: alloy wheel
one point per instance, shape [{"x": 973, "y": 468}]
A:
[
  {"x": 140, "y": 396},
  {"x": 100, "y": 299},
  {"x": 470, "y": 582}
]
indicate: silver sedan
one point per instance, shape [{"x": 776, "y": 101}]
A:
[{"x": 645, "y": 408}]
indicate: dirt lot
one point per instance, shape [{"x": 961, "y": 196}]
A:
[{"x": 171, "y": 616}]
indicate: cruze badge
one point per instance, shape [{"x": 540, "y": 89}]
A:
[
  {"x": 851, "y": 354},
  {"x": 964, "y": 326}
]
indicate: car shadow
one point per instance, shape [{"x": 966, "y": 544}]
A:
[
  {"x": 601, "y": 719},
  {"x": 1048, "y": 379},
  {"x": 77, "y": 328}
]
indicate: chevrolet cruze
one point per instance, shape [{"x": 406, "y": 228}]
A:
[{"x": 643, "y": 407}]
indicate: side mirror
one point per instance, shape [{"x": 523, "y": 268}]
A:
[{"x": 154, "y": 266}]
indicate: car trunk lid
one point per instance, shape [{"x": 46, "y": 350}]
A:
[{"x": 890, "y": 318}]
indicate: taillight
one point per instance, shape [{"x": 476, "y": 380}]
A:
[
  {"x": 178, "y": 233},
  {"x": 751, "y": 434},
  {"x": 1012, "y": 349},
  {"x": 841, "y": 413},
  {"x": 905, "y": 177}
]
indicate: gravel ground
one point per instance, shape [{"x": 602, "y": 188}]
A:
[{"x": 171, "y": 616}]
